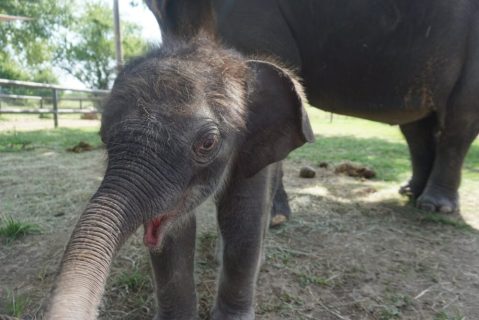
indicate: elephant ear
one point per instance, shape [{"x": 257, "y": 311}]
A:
[{"x": 277, "y": 122}]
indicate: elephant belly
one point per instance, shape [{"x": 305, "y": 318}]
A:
[{"x": 393, "y": 61}]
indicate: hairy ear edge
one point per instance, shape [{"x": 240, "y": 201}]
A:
[{"x": 277, "y": 122}]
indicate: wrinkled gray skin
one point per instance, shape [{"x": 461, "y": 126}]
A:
[
  {"x": 405, "y": 62},
  {"x": 188, "y": 121}
]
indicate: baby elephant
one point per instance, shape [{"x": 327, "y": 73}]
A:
[{"x": 183, "y": 123}]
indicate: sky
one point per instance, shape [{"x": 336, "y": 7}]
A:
[
  {"x": 143, "y": 16},
  {"x": 139, "y": 14}
]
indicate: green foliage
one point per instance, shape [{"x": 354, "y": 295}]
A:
[
  {"x": 89, "y": 53},
  {"x": 77, "y": 35},
  {"x": 13, "y": 229},
  {"x": 27, "y": 47}
]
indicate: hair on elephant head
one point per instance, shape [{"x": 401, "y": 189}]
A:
[{"x": 182, "y": 123}]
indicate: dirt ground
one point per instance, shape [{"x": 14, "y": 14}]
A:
[
  {"x": 353, "y": 250},
  {"x": 30, "y": 122}
]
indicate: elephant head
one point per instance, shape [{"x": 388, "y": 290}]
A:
[{"x": 178, "y": 124}]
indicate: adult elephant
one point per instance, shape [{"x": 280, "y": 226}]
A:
[{"x": 404, "y": 62}]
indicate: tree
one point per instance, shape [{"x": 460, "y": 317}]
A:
[
  {"x": 89, "y": 53},
  {"x": 27, "y": 48}
]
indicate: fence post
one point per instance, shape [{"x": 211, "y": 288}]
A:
[{"x": 55, "y": 107}]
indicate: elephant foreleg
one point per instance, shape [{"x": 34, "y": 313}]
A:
[
  {"x": 173, "y": 270},
  {"x": 243, "y": 214}
]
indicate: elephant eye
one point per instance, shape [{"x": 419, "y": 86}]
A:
[
  {"x": 205, "y": 147},
  {"x": 209, "y": 143}
]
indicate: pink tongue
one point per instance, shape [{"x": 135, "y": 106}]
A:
[{"x": 152, "y": 233}]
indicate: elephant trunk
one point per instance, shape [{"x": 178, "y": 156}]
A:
[
  {"x": 86, "y": 263},
  {"x": 117, "y": 209}
]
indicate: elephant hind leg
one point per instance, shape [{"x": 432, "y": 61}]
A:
[
  {"x": 280, "y": 211},
  {"x": 441, "y": 191},
  {"x": 460, "y": 129},
  {"x": 421, "y": 140}
]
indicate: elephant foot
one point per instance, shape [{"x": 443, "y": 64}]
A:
[
  {"x": 278, "y": 220},
  {"x": 411, "y": 189},
  {"x": 438, "y": 200},
  {"x": 280, "y": 212}
]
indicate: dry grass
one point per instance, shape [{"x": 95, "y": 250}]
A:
[{"x": 354, "y": 250}]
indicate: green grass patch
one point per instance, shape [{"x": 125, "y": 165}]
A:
[
  {"x": 61, "y": 138},
  {"x": 14, "y": 229},
  {"x": 306, "y": 279},
  {"x": 16, "y": 305},
  {"x": 390, "y": 160},
  {"x": 378, "y": 146},
  {"x": 445, "y": 316},
  {"x": 133, "y": 281}
]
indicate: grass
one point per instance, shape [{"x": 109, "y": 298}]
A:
[
  {"x": 306, "y": 279},
  {"x": 132, "y": 281},
  {"x": 314, "y": 264},
  {"x": 445, "y": 316},
  {"x": 393, "y": 306},
  {"x": 61, "y": 138},
  {"x": 373, "y": 144},
  {"x": 444, "y": 220},
  {"x": 16, "y": 304},
  {"x": 14, "y": 229},
  {"x": 388, "y": 159}
]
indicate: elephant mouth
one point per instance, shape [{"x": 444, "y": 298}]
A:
[
  {"x": 155, "y": 231},
  {"x": 157, "y": 228}
]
